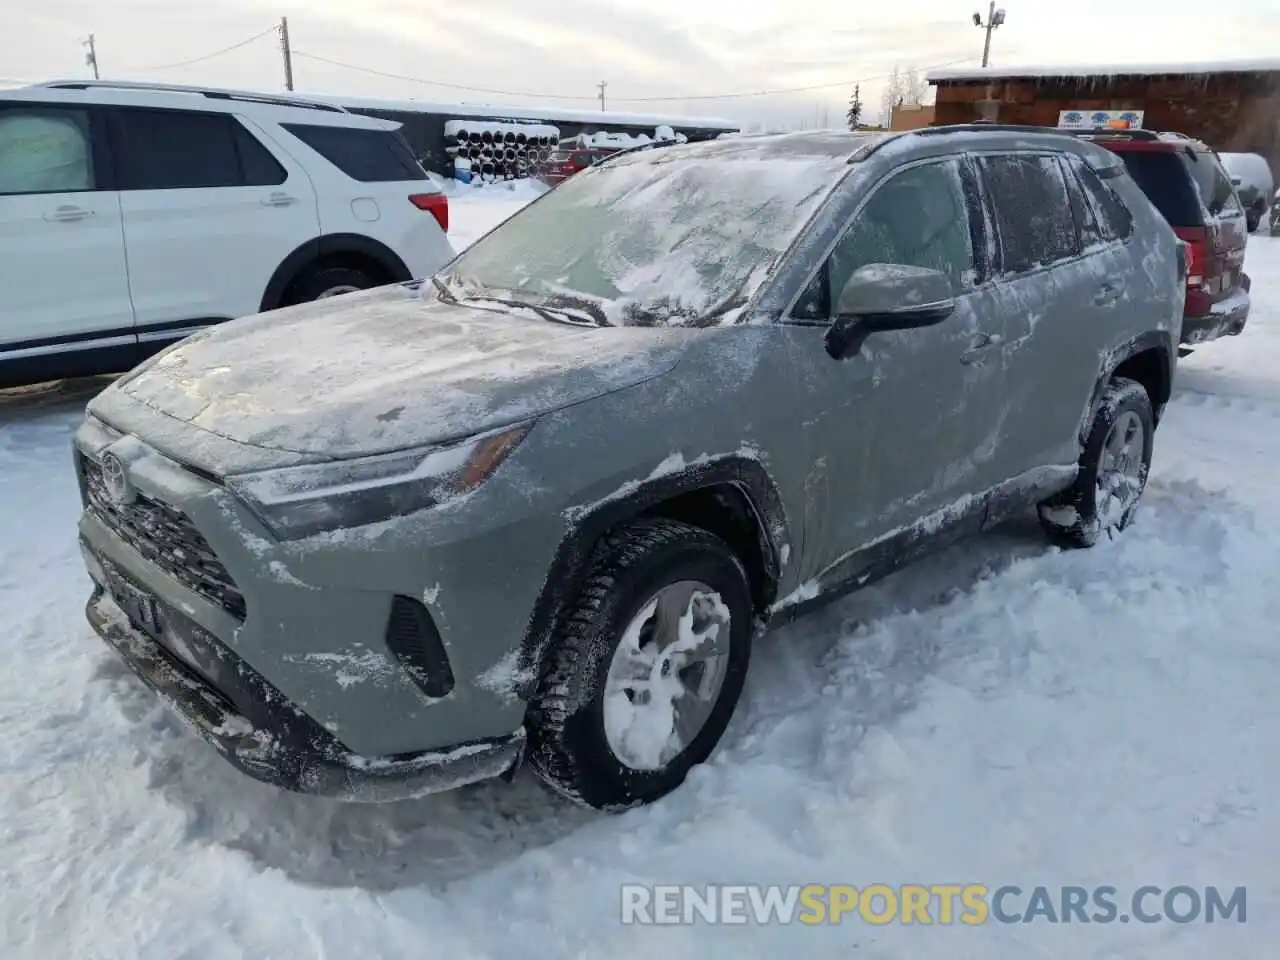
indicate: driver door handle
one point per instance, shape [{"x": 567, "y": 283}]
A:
[
  {"x": 981, "y": 343},
  {"x": 68, "y": 213},
  {"x": 1107, "y": 294}
]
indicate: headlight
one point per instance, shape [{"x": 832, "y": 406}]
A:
[{"x": 301, "y": 501}]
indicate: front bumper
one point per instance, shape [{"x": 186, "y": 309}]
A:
[
  {"x": 330, "y": 623},
  {"x": 265, "y": 736}
]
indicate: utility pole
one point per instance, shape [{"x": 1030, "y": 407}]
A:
[
  {"x": 994, "y": 19},
  {"x": 602, "y": 84},
  {"x": 286, "y": 53},
  {"x": 91, "y": 57}
]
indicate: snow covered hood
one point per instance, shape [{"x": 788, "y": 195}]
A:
[{"x": 387, "y": 369}]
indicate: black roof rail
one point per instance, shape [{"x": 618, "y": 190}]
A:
[
  {"x": 979, "y": 126},
  {"x": 211, "y": 92},
  {"x": 1147, "y": 135},
  {"x": 987, "y": 126}
]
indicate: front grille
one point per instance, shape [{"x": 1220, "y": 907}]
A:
[{"x": 166, "y": 537}]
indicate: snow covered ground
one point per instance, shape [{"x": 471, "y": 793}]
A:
[{"x": 1003, "y": 714}]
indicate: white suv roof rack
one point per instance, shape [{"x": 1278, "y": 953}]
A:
[{"x": 212, "y": 93}]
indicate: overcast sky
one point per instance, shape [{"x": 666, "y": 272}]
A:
[{"x": 549, "y": 51}]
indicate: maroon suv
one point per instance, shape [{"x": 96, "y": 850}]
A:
[{"x": 1186, "y": 182}]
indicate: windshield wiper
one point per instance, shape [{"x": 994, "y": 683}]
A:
[
  {"x": 552, "y": 315},
  {"x": 589, "y": 307},
  {"x": 443, "y": 288}
]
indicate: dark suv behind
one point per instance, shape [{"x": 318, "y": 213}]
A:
[{"x": 1186, "y": 182}]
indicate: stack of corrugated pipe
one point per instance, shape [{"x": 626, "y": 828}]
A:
[{"x": 500, "y": 155}]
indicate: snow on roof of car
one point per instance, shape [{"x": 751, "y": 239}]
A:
[
  {"x": 817, "y": 145},
  {"x": 1262, "y": 65}
]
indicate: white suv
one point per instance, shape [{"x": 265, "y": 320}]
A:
[{"x": 132, "y": 215}]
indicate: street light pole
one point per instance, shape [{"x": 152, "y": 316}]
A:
[{"x": 994, "y": 19}]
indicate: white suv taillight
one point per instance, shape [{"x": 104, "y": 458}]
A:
[{"x": 436, "y": 204}]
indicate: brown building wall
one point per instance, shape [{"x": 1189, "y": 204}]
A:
[
  {"x": 1230, "y": 112},
  {"x": 911, "y": 118}
]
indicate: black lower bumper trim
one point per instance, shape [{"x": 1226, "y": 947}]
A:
[
  {"x": 1208, "y": 328},
  {"x": 290, "y": 750}
]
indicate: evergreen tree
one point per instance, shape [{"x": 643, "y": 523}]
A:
[{"x": 854, "y": 116}]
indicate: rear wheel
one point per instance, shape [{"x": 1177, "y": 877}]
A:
[
  {"x": 1113, "y": 470},
  {"x": 647, "y": 669},
  {"x": 328, "y": 282}
]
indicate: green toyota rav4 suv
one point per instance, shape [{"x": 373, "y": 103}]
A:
[{"x": 537, "y": 507}]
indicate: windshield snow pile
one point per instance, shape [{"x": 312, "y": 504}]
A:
[{"x": 678, "y": 236}]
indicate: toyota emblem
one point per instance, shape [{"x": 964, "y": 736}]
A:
[{"x": 119, "y": 489}]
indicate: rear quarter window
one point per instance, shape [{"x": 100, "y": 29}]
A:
[
  {"x": 1101, "y": 213},
  {"x": 1212, "y": 182},
  {"x": 370, "y": 156},
  {"x": 1164, "y": 178}
]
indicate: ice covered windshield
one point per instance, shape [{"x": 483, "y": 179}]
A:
[{"x": 671, "y": 236}]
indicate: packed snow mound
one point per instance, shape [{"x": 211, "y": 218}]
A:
[{"x": 609, "y": 140}]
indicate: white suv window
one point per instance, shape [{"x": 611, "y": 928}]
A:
[
  {"x": 180, "y": 149},
  {"x": 370, "y": 156},
  {"x": 45, "y": 150}
]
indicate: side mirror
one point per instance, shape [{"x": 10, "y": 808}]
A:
[{"x": 887, "y": 296}]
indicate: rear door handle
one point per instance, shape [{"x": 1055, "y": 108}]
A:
[
  {"x": 278, "y": 200},
  {"x": 67, "y": 213},
  {"x": 982, "y": 343}
]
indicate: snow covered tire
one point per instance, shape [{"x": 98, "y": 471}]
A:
[
  {"x": 569, "y": 746},
  {"x": 1076, "y": 518}
]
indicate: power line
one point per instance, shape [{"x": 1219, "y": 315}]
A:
[
  {"x": 217, "y": 53},
  {"x": 439, "y": 83},
  {"x": 553, "y": 96}
]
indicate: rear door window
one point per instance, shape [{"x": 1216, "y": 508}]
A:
[
  {"x": 1033, "y": 214},
  {"x": 177, "y": 149},
  {"x": 1163, "y": 177},
  {"x": 259, "y": 167},
  {"x": 370, "y": 156}
]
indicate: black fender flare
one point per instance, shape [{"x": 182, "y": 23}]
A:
[
  {"x": 1158, "y": 340},
  {"x": 574, "y": 554},
  {"x": 301, "y": 259}
]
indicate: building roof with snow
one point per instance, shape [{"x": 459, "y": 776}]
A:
[
  {"x": 1083, "y": 70},
  {"x": 526, "y": 112}
]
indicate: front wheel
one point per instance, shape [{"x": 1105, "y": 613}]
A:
[
  {"x": 646, "y": 672},
  {"x": 1113, "y": 470}
]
